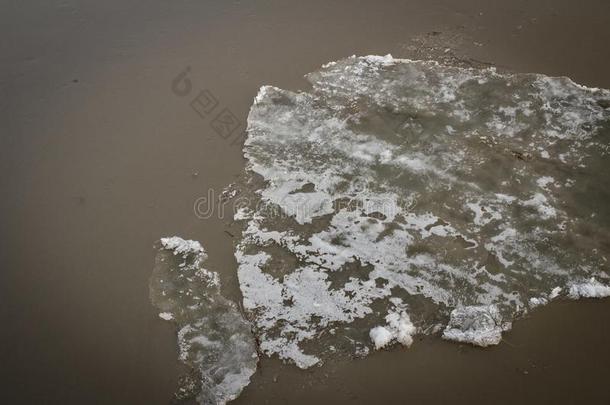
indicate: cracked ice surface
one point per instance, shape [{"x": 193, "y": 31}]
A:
[{"x": 450, "y": 197}]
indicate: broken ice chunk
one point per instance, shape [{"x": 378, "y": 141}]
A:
[
  {"x": 399, "y": 328},
  {"x": 215, "y": 341},
  {"x": 477, "y": 325},
  {"x": 589, "y": 289}
]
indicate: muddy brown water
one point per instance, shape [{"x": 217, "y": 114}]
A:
[{"x": 99, "y": 158}]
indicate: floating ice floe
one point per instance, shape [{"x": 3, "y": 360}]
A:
[
  {"x": 393, "y": 197},
  {"x": 215, "y": 341},
  {"x": 466, "y": 193},
  {"x": 477, "y": 325}
]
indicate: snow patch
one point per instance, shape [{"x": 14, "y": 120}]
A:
[{"x": 399, "y": 328}]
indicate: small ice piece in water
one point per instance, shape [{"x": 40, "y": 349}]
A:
[
  {"x": 538, "y": 301},
  {"x": 215, "y": 341},
  {"x": 399, "y": 328},
  {"x": 477, "y": 325},
  {"x": 589, "y": 289},
  {"x": 168, "y": 316},
  {"x": 555, "y": 293}
]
